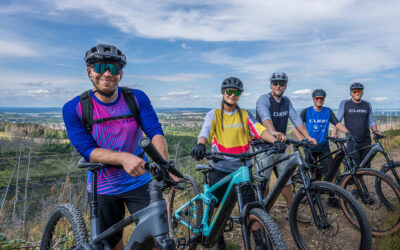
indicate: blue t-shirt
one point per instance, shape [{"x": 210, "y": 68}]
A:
[
  {"x": 317, "y": 124},
  {"x": 122, "y": 135}
]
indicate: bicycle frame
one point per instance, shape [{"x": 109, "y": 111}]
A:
[
  {"x": 294, "y": 160},
  {"x": 343, "y": 154},
  {"x": 212, "y": 226}
]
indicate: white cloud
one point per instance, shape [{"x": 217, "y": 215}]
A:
[
  {"x": 380, "y": 99},
  {"x": 16, "y": 49},
  {"x": 178, "y": 94},
  {"x": 183, "y": 45},
  {"x": 179, "y": 77},
  {"x": 165, "y": 99},
  {"x": 390, "y": 76},
  {"x": 302, "y": 91}
]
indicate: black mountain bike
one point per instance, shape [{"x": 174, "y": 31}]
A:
[
  {"x": 66, "y": 229},
  {"x": 330, "y": 227},
  {"x": 377, "y": 193}
]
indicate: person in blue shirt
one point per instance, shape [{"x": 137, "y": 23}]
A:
[
  {"x": 317, "y": 119},
  {"x": 114, "y": 140}
]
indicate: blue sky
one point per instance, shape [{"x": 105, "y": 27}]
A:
[{"x": 180, "y": 51}]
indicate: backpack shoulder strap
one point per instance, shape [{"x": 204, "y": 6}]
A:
[
  {"x": 87, "y": 110},
  {"x": 130, "y": 101}
]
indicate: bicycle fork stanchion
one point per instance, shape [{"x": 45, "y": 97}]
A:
[{"x": 243, "y": 221}]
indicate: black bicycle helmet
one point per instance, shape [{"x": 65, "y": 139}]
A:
[
  {"x": 232, "y": 82},
  {"x": 356, "y": 85},
  {"x": 319, "y": 92},
  {"x": 105, "y": 53},
  {"x": 279, "y": 76}
]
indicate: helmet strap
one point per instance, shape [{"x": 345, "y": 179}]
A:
[
  {"x": 101, "y": 92},
  {"x": 104, "y": 94},
  {"x": 228, "y": 104}
]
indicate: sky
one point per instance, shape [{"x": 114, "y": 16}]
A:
[{"x": 179, "y": 52}]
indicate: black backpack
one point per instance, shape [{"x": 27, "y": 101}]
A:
[{"x": 87, "y": 109}]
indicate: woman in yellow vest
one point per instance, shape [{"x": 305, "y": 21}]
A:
[{"x": 228, "y": 129}]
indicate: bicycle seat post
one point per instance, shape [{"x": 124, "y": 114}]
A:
[{"x": 94, "y": 206}]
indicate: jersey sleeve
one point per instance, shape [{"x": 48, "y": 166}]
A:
[
  {"x": 332, "y": 117},
  {"x": 80, "y": 139},
  {"x": 262, "y": 108},
  {"x": 208, "y": 129},
  {"x": 150, "y": 124},
  {"x": 371, "y": 119},
  {"x": 255, "y": 127},
  {"x": 294, "y": 117},
  {"x": 303, "y": 115},
  {"x": 340, "y": 112}
]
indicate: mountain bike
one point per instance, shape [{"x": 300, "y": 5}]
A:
[
  {"x": 66, "y": 229},
  {"x": 377, "y": 193},
  {"x": 329, "y": 228},
  {"x": 202, "y": 219},
  {"x": 391, "y": 168}
]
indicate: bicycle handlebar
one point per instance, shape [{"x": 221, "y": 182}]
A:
[
  {"x": 339, "y": 140},
  {"x": 243, "y": 156},
  {"x": 152, "y": 152},
  {"x": 296, "y": 143}
]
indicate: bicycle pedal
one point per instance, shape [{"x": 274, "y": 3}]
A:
[
  {"x": 235, "y": 219},
  {"x": 228, "y": 225},
  {"x": 181, "y": 242}
]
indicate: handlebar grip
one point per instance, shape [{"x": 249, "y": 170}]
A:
[
  {"x": 175, "y": 172},
  {"x": 151, "y": 151}
]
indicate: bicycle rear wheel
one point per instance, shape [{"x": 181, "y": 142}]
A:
[
  {"x": 65, "y": 229},
  {"x": 379, "y": 197},
  {"x": 330, "y": 229},
  {"x": 178, "y": 196},
  {"x": 263, "y": 232}
]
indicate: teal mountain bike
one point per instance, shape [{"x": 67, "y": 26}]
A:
[{"x": 201, "y": 218}]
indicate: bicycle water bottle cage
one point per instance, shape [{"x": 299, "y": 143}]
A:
[{"x": 229, "y": 225}]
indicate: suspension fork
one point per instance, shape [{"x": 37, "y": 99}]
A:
[
  {"x": 245, "y": 232},
  {"x": 320, "y": 221},
  {"x": 362, "y": 189}
]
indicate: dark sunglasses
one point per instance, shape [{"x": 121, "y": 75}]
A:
[
  {"x": 100, "y": 68},
  {"x": 278, "y": 82},
  {"x": 355, "y": 91},
  {"x": 319, "y": 98},
  {"x": 232, "y": 91}
]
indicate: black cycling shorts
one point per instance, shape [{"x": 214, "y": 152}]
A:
[{"x": 112, "y": 208}]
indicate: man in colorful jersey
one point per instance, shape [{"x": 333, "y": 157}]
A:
[
  {"x": 317, "y": 119},
  {"x": 273, "y": 111},
  {"x": 358, "y": 118},
  {"x": 114, "y": 142},
  {"x": 229, "y": 129}
]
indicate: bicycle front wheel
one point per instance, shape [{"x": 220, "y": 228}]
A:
[
  {"x": 178, "y": 196},
  {"x": 379, "y": 197},
  {"x": 65, "y": 229},
  {"x": 393, "y": 172},
  {"x": 263, "y": 232},
  {"x": 329, "y": 228}
]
